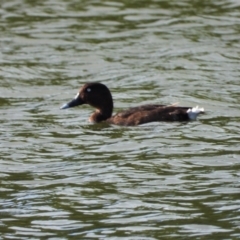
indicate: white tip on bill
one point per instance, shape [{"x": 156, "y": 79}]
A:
[
  {"x": 193, "y": 112},
  {"x": 64, "y": 106}
]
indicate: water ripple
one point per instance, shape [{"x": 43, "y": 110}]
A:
[{"x": 62, "y": 177}]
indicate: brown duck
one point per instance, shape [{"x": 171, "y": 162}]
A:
[{"x": 99, "y": 96}]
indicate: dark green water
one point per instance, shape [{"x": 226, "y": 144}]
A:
[{"x": 63, "y": 178}]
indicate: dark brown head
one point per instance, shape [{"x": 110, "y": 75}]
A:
[{"x": 96, "y": 95}]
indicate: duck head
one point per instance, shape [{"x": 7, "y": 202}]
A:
[{"x": 96, "y": 95}]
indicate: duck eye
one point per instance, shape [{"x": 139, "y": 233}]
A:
[{"x": 89, "y": 89}]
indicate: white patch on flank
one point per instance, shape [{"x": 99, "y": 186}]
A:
[
  {"x": 76, "y": 96},
  {"x": 193, "y": 112},
  {"x": 89, "y": 90}
]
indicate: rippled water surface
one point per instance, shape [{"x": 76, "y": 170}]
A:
[{"x": 63, "y": 178}]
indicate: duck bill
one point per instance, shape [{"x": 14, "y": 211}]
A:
[{"x": 75, "y": 102}]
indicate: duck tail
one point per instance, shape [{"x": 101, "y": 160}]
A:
[{"x": 194, "y": 112}]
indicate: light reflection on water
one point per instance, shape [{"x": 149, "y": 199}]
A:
[{"x": 62, "y": 177}]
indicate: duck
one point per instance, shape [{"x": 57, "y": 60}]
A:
[{"x": 99, "y": 96}]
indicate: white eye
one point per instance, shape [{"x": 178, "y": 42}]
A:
[{"x": 89, "y": 89}]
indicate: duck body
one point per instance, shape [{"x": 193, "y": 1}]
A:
[
  {"x": 99, "y": 96},
  {"x": 149, "y": 113}
]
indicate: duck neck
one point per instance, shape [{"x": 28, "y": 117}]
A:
[{"x": 101, "y": 114}]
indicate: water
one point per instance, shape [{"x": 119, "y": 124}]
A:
[{"x": 63, "y": 178}]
